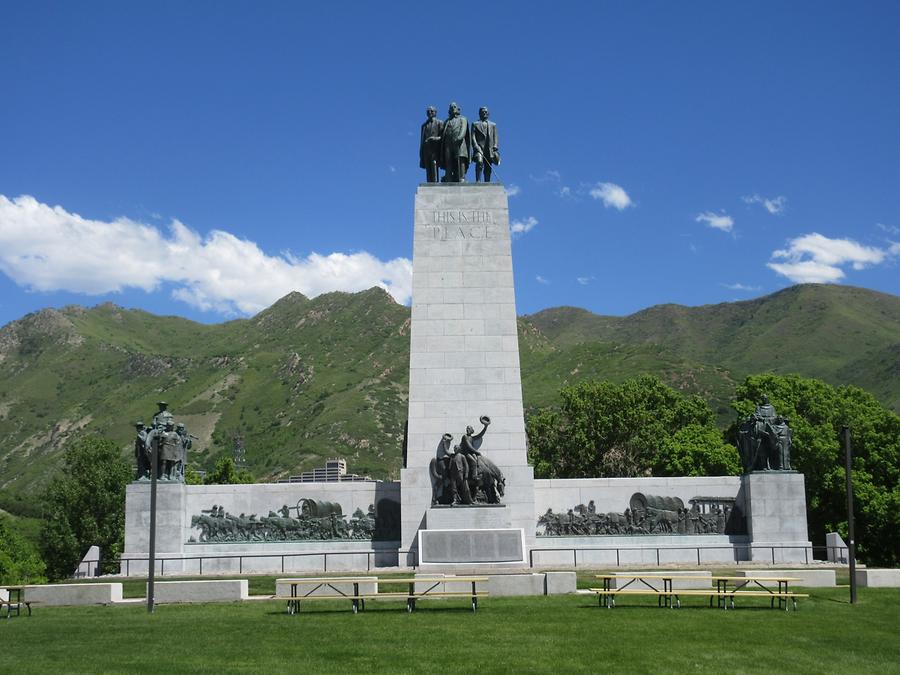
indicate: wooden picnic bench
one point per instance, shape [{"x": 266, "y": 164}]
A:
[
  {"x": 310, "y": 588},
  {"x": 303, "y": 589},
  {"x": 667, "y": 596},
  {"x": 15, "y": 605}
]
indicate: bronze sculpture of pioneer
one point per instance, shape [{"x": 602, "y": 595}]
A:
[
  {"x": 462, "y": 475},
  {"x": 452, "y": 144},
  {"x": 430, "y": 145},
  {"x": 169, "y": 441},
  {"x": 485, "y": 145},
  {"x": 456, "y": 146},
  {"x": 764, "y": 440}
]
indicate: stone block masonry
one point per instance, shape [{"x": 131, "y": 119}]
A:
[{"x": 464, "y": 349}]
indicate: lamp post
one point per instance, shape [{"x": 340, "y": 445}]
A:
[
  {"x": 154, "y": 466},
  {"x": 851, "y": 544}
]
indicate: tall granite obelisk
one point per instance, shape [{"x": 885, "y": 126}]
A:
[{"x": 464, "y": 354}]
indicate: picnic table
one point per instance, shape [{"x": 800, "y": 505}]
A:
[
  {"x": 435, "y": 582},
  {"x": 14, "y": 601},
  {"x": 337, "y": 588},
  {"x": 727, "y": 588},
  {"x": 309, "y": 588}
]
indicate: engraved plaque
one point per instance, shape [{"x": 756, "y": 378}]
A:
[{"x": 471, "y": 547}]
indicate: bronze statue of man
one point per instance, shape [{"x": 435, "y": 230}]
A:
[
  {"x": 456, "y": 146},
  {"x": 162, "y": 416},
  {"x": 169, "y": 452},
  {"x": 485, "y": 145},
  {"x": 141, "y": 454},
  {"x": 430, "y": 145}
]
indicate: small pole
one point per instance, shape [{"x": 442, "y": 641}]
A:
[
  {"x": 151, "y": 573},
  {"x": 848, "y": 456}
]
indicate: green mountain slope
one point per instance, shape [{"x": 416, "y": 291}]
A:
[
  {"x": 308, "y": 379},
  {"x": 815, "y": 330}
]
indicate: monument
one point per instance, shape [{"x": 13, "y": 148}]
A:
[
  {"x": 774, "y": 492},
  {"x": 467, "y": 495},
  {"x": 464, "y": 365}
]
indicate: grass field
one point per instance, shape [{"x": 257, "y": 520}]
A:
[{"x": 540, "y": 634}]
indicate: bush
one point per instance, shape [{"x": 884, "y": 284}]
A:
[
  {"x": 19, "y": 561},
  {"x": 85, "y": 506}
]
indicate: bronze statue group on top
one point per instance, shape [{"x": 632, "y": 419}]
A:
[
  {"x": 452, "y": 144},
  {"x": 171, "y": 441}
]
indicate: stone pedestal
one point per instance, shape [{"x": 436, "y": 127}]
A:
[
  {"x": 172, "y": 524},
  {"x": 775, "y": 503},
  {"x": 464, "y": 349}
]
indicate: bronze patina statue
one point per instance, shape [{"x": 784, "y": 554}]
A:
[
  {"x": 456, "y": 146},
  {"x": 486, "y": 147},
  {"x": 169, "y": 441},
  {"x": 462, "y": 475},
  {"x": 430, "y": 145},
  {"x": 764, "y": 440},
  {"x": 162, "y": 415},
  {"x": 141, "y": 454}
]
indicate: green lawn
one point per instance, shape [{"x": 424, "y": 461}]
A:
[{"x": 545, "y": 634}]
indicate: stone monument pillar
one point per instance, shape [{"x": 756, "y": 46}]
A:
[
  {"x": 775, "y": 508},
  {"x": 464, "y": 357},
  {"x": 172, "y": 524}
]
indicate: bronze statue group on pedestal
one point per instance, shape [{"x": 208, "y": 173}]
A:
[
  {"x": 169, "y": 440},
  {"x": 460, "y": 474},
  {"x": 453, "y": 144}
]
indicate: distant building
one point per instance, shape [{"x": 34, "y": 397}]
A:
[{"x": 334, "y": 471}]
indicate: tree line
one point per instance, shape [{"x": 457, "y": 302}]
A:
[
  {"x": 641, "y": 427},
  {"x": 644, "y": 428}
]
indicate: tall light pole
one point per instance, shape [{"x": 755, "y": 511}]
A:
[
  {"x": 154, "y": 466},
  {"x": 851, "y": 544}
]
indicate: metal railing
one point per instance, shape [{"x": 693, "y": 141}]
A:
[
  {"x": 124, "y": 566},
  {"x": 747, "y": 549},
  {"x": 177, "y": 564}
]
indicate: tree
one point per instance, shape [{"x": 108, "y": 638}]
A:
[
  {"x": 817, "y": 411},
  {"x": 640, "y": 427},
  {"x": 226, "y": 473},
  {"x": 19, "y": 561},
  {"x": 85, "y": 506},
  {"x": 696, "y": 450}
]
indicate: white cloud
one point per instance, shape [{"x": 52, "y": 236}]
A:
[
  {"x": 815, "y": 258},
  {"x": 890, "y": 229},
  {"x": 47, "y": 248},
  {"x": 611, "y": 195},
  {"x": 564, "y": 191},
  {"x": 541, "y": 280},
  {"x": 742, "y": 287},
  {"x": 584, "y": 281},
  {"x": 719, "y": 221},
  {"x": 513, "y": 190},
  {"x": 548, "y": 175},
  {"x": 520, "y": 227},
  {"x": 773, "y": 205}
]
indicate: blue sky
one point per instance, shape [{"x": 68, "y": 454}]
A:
[{"x": 204, "y": 158}]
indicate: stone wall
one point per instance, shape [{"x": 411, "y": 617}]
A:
[{"x": 178, "y": 503}]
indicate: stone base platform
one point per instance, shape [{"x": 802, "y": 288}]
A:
[
  {"x": 213, "y": 590},
  {"x": 75, "y": 594},
  {"x": 808, "y": 577},
  {"x": 888, "y": 578}
]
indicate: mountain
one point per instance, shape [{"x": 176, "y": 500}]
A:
[
  {"x": 308, "y": 379},
  {"x": 841, "y": 334}
]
